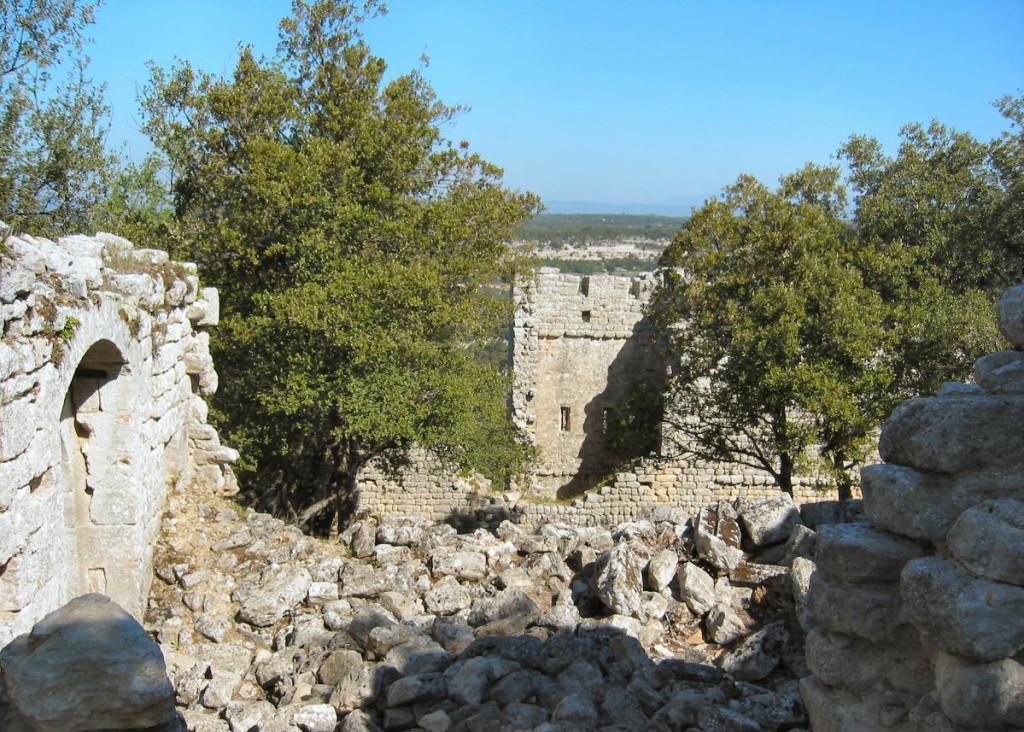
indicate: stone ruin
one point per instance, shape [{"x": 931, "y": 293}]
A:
[
  {"x": 916, "y": 617},
  {"x": 580, "y": 346},
  {"x": 913, "y": 616},
  {"x": 104, "y": 363}
]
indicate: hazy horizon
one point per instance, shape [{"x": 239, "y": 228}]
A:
[{"x": 648, "y": 109}]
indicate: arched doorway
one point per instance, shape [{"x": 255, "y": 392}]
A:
[{"x": 95, "y": 468}]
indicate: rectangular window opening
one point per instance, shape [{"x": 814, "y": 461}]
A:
[
  {"x": 566, "y": 419},
  {"x": 585, "y": 286},
  {"x": 586, "y": 316},
  {"x": 634, "y": 289}
]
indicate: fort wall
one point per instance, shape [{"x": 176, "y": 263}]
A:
[{"x": 104, "y": 363}]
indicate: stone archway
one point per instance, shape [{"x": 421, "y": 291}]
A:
[{"x": 99, "y": 505}]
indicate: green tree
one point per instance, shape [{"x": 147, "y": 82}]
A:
[
  {"x": 946, "y": 202},
  {"x": 53, "y": 163},
  {"x": 943, "y": 226},
  {"x": 353, "y": 245},
  {"x": 772, "y": 329}
]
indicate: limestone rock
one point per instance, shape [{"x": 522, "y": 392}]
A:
[
  {"x": 1010, "y": 315},
  {"x": 981, "y": 695},
  {"x": 866, "y": 611},
  {"x": 459, "y": 564},
  {"x": 696, "y": 588},
  {"x": 757, "y": 655},
  {"x": 447, "y": 597},
  {"x": 662, "y": 569},
  {"x": 770, "y": 521},
  {"x": 281, "y": 589},
  {"x": 800, "y": 582},
  {"x": 989, "y": 540},
  {"x": 719, "y": 551},
  {"x": 861, "y": 553},
  {"x": 506, "y": 604},
  {"x": 618, "y": 579},
  {"x": 417, "y": 688},
  {"x": 961, "y": 614},
  {"x": 955, "y": 435},
  {"x": 1001, "y": 372},
  {"x": 316, "y": 718},
  {"x": 724, "y": 624},
  {"x": 88, "y": 665},
  {"x": 803, "y": 542},
  {"x": 907, "y": 501}
]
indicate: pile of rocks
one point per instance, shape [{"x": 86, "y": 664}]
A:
[
  {"x": 917, "y": 615},
  {"x": 405, "y": 624}
]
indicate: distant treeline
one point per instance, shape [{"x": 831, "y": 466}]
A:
[
  {"x": 623, "y": 266},
  {"x": 581, "y": 228}
]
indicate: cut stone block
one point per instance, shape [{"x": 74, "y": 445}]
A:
[
  {"x": 861, "y": 553},
  {"x": 866, "y": 611},
  {"x": 988, "y": 539},
  {"x": 955, "y": 435},
  {"x": 962, "y": 614},
  {"x": 981, "y": 695}
]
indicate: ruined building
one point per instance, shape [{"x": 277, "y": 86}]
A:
[
  {"x": 580, "y": 347},
  {"x": 104, "y": 363}
]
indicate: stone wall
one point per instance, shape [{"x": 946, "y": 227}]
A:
[
  {"x": 586, "y": 364},
  {"x": 580, "y": 344},
  {"x": 422, "y": 486},
  {"x": 916, "y": 616},
  {"x": 103, "y": 365}
]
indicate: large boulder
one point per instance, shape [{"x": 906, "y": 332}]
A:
[
  {"x": 770, "y": 521},
  {"x": 962, "y": 614},
  {"x": 862, "y": 553},
  {"x": 955, "y": 434},
  {"x": 87, "y": 666},
  {"x": 618, "y": 579},
  {"x": 281, "y": 588},
  {"x": 989, "y": 540}
]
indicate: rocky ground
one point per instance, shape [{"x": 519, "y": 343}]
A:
[{"x": 405, "y": 625}]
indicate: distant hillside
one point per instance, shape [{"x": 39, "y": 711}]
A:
[{"x": 575, "y": 229}]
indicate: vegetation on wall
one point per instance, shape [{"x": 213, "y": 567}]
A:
[
  {"x": 353, "y": 246},
  {"x": 796, "y": 325}
]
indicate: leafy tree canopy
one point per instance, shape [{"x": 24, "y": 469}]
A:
[
  {"x": 53, "y": 120},
  {"x": 798, "y": 328},
  {"x": 353, "y": 245}
]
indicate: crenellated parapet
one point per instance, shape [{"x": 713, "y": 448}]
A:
[{"x": 104, "y": 363}]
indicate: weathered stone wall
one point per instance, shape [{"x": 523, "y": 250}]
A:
[
  {"x": 422, "y": 486},
  {"x": 586, "y": 365},
  {"x": 580, "y": 344},
  {"x": 918, "y": 616},
  {"x": 102, "y": 372}
]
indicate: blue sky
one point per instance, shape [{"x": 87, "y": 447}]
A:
[{"x": 653, "y": 102}]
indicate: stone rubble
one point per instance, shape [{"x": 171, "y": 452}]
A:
[
  {"x": 915, "y": 615},
  {"x": 404, "y": 624}
]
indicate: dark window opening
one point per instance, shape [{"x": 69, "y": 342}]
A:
[
  {"x": 586, "y": 316},
  {"x": 566, "y": 419},
  {"x": 607, "y": 418},
  {"x": 585, "y": 286},
  {"x": 634, "y": 289}
]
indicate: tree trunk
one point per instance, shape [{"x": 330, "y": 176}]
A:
[
  {"x": 785, "y": 477},
  {"x": 844, "y": 481}
]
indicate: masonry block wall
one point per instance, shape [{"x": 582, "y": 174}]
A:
[
  {"x": 104, "y": 362},
  {"x": 580, "y": 344},
  {"x": 917, "y": 617}
]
